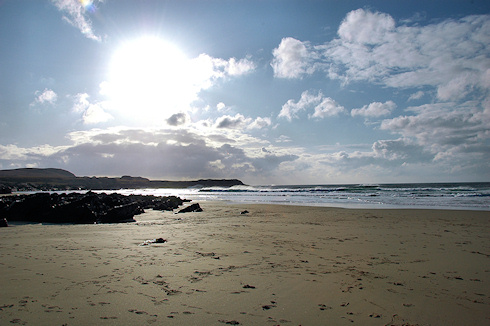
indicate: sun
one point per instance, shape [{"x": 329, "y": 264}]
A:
[{"x": 148, "y": 78}]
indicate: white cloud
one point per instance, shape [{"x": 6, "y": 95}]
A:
[
  {"x": 451, "y": 56},
  {"x": 323, "y": 106},
  {"x": 260, "y": 123},
  {"x": 14, "y": 153},
  {"x": 291, "y": 108},
  {"x": 221, "y": 106},
  {"x": 416, "y": 96},
  {"x": 92, "y": 113},
  {"x": 81, "y": 102},
  {"x": 95, "y": 113},
  {"x": 361, "y": 26},
  {"x": 448, "y": 60},
  {"x": 47, "y": 96},
  {"x": 327, "y": 108},
  {"x": 375, "y": 109},
  {"x": 446, "y": 129},
  {"x": 283, "y": 139},
  {"x": 76, "y": 11},
  {"x": 210, "y": 68},
  {"x": 401, "y": 150},
  {"x": 240, "y": 67},
  {"x": 230, "y": 153},
  {"x": 241, "y": 122},
  {"x": 291, "y": 59}
]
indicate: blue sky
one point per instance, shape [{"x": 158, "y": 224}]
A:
[{"x": 270, "y": 92}]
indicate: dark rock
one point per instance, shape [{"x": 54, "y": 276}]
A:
[
  {"x": 192, "y": 208},
  {"x": 81, "y": 208},
  {"x": 122, "y": 213},
  {"x": 167, "y": 203},
  {"x": 5, "y": 189},
  {"x": 244, "y": 212}
]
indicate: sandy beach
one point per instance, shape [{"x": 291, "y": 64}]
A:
[{"x": 275, "y": 265}]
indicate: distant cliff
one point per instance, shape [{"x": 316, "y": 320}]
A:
[{"x": 58, "y": 179}]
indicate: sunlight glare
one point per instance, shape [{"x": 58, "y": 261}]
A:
[{"x": 148, "y": 79}]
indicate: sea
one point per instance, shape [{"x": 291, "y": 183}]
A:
[{"x": 464, "y": 196}]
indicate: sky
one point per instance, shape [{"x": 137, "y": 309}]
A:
[{"x": 269, "y": 92}]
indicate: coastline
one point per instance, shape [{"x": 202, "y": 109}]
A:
[{"x": 277, "y": 264}]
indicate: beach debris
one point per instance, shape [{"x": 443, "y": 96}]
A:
[
  {"x": 148, "y": 242},
  {"x": 229, "y": 322},
  {"x": 269, "y": 306},
  {"x": 192, "y": 208},
  {"x": 244, "y": 212},
  {"x": 247, "y": 286},
  {"x": 206, "y": 254}
]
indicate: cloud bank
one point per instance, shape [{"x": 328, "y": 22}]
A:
[{"x": 448, "y": 61}]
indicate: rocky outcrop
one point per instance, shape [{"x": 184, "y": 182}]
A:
[
  {"x": 5, "y": 189},
  {"x": 192, "y": 208},
  {"x": 81, "y": 208}
]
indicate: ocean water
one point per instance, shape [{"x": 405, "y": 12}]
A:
[{"x": 467, "y": 196}]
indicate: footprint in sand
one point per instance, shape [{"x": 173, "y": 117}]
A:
[{"x": 324, "y": 307}]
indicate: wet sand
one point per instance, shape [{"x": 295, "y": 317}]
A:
[{"x": 275, "y": 265}]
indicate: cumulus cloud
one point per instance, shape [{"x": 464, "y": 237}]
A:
[
  {"x": 209, "y": 69},
  {"x": 76, "y": 14},
  {"x": 400, "y": 149},
  {"x": 327, "y": 108},
  {"x": 95, "y": 113},
  {"x": 448, "y": 130},
  {"x": 323, "y": 106},
  {"x": 375, "y": 109},
  {"x": 221, "y": 106},
  {"x": 448, "y": 60},
  {"x": 234, "y": 67},
  {"x": 365, "y": 27},
  {"x": 92, "y": 113},
  {"x": 291, "y": 59},
  {"x": 260, "y": 123},
  {"x": 241, "y": 122},
  {"x": 229, "y": 122},
  {"x": 46, "y": 96},
  {"x": 451, "y": 56},
  {"x": 178, "y": 119}
]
